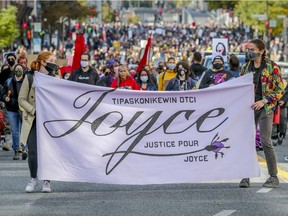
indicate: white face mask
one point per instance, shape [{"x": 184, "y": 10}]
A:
[{"x": 84, "y": 64}]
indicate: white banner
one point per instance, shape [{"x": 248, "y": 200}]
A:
[{"x": 95, "y": 134}]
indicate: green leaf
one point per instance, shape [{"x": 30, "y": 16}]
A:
[{"x": 9, "y": 29}]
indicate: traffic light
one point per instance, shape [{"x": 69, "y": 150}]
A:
[{"x": 29, "y": 34}]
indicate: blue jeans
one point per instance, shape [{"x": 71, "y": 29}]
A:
[{"x": 15, "y": 122}]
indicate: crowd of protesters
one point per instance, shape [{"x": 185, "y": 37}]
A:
[{"x": 111, "y": 59}]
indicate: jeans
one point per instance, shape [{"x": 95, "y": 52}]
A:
[
  {"x": 15, "y": 122},
  {"x": 265, "y": 122}
]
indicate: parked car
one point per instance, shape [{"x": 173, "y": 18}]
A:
[{"x": 284, "y": 69}]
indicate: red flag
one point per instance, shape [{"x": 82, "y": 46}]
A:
[
  {"x": 79, "y": 50},
  {"x": 144, "y": 61}
]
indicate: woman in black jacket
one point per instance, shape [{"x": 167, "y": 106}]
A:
[{"x": 10, "y": 97}]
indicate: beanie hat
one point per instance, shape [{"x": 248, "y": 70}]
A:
[{"x": 218, "y": 57}]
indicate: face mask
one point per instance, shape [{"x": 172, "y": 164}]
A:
[
  {"x": 18, "y": 73},
  {"x": 181, "y": 72},
  {"x": 84, "y": 64},
  {"x": 144, "y": 78},
  {"x": 161, "y": 67},
  {"x": 171, "y": 66},
  {"x": 50, "y": 67},
  {"x": 252, "y": 55},
  {"x": 217, "y": 66},
  {"x": 11, "y": 62}
]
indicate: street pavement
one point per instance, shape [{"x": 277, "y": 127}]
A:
[{"x": 212, "y": 198}]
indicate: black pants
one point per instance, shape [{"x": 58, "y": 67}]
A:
[{"x": 32, "y": 151}]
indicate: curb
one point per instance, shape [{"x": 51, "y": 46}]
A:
[{"x": 282, "y": 173}]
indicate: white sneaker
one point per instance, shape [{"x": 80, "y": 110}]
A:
[
  {"x": 46, "y": 187},
  {"x": 31, "y": 185}
]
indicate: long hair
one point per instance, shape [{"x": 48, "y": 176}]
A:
[
  {"x": 121, "y": 67},
  {"x": 260, "y": 44},
  {"x": 186, "y": 67},
  {"x": 43, "y": 56},
  {"x": 150, "y": 80}
]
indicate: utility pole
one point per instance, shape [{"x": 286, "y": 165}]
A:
[{"x": 267, "y": 30}]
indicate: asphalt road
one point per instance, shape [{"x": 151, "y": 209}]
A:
[{"x": 213, "y": 198}]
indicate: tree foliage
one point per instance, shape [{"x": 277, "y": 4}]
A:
[
  {"x": 246, "y": 9},
  {"x": 54, "y": 10},
  {"x": 9, "y": 29},
  {"x": 221, "y": 4}
]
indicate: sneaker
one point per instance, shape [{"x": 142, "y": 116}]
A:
[
  {"x": 286, "y": 158},
  {"x": 274, "y": 142},
  {"x": 271, "y": 182},
  {"x": 20, "y": 149},
  {"x": 16, "y": 156},
  {"x": 280, "y": 139},
  {"x": 6, "y": 147},
  {"x": 245, "y": 183},
  {"x": 31, "y": 185},
  {"x": 46, "y": 187},
  {"x": 24, "y": 155}
]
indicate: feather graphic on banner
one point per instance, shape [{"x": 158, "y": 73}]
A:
[
  {"x": 144, "y": 60},
  {"x": 79, "y": 50}
]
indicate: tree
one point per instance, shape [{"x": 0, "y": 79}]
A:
[
  {"x": 9, "y": 29},
  {"x": 246, "y": 9},
  {"x": 52, "y": 11}
]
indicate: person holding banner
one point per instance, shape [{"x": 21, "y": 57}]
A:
[
  {"x": 182, "y": 82},
  {"x": 145, "y": 82},
  {"x": 45, "y": 64},
  {"x": 85, "y": 74},
  {"x": 268, "y": 89},
  {"x": 217, "y": 75},
  {"x": 124, "y": 81}
]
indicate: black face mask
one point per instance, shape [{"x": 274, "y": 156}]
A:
[
  {"x": 50, "y": 67},
  {"x": 160, "y": 67},
  {"x": 217, "y": 66},
  {"x": 252, "y": 55},
  {"x": 18, "y": 73},
  {"x": 11, "y": 62},
  {"x": 181, "y": 72}
]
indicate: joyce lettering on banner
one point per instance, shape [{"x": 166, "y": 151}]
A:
[{"x": 95, "y": 134}]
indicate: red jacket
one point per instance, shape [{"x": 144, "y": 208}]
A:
[{"x": 128, "y": 83}]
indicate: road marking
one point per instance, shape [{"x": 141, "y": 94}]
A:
[
  {"x": 282, "y": 173},
  {"x": 264, "y": 190},
  {"x": 225, "y": 213}
]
